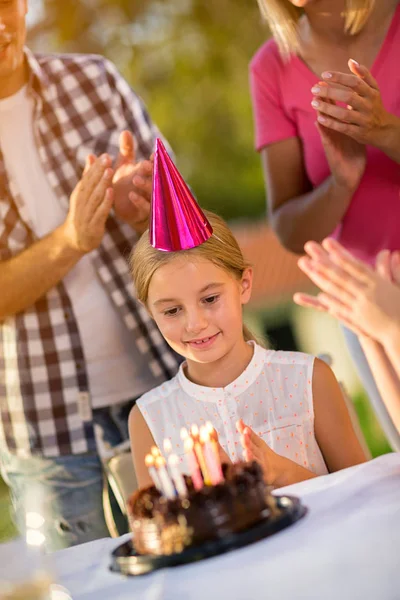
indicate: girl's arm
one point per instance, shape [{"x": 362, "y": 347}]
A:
[
  {"x": 385, "y": 374},
  {"x": 334, "y": 431},
  {"x": 141, "y": 444}
]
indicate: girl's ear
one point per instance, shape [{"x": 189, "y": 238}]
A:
[{"x": 246, "y": 285}]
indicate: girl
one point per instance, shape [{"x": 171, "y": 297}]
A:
[{"x": 286, "y": 408}]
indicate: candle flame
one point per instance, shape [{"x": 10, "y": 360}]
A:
[
  {"x": 155, "y": 451},
  {"x": 184, "y": 434},
  {"x": 204, "y": 435},
  {"x": 189, "y": 444},
  {"x": 167, "y": 446},
  {"x": 149, "y": 460},
  {"x": 195, "y": 430},
  {"x": 160, "y": 462}
]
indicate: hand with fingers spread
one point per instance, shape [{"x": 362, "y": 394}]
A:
[
  {"x": 90, "y": 205},
  {"x": 132, "y": 184},
  {"x": 362, "y": 298},
  {"x": 255, "y": 448},
  {"x": 364, "y": 117},
  {"x": 278, "y": 470}
]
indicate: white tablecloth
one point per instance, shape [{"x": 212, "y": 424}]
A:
[{"x": 346, "y": 548}]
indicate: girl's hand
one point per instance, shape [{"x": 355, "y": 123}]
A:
[
  {"x": 363, "y": 299},
  {"x": 364, "y": 117},
  {"x": 254, "y": 448}
]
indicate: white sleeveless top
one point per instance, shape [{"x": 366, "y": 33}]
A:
[{"x": 273, "y": 396}]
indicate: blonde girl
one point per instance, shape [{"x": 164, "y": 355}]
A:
[{"x": 284, "y": 408}]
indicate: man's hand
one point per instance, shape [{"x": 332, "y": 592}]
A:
[
  {"x": 132, "y": 184},
  {"x": 90, "y": 205}
]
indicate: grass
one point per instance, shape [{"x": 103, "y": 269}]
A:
[{"x": 372, "y": 431}]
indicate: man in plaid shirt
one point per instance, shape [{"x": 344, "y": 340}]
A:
[{"x": 76, "y": 348}]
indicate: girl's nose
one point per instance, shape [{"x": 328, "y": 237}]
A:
[{"x": 196, "y": 322}]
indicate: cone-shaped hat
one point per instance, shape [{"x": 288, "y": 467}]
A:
[{"x": 177, "y": 221}]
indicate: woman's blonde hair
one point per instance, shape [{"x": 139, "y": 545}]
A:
[
  {"x": 221, "y": 249},
  {"x": 282, "y": 18}
]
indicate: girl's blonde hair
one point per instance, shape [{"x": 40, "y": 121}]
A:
[
  {"x": 282, "y": 18},
  {"x": 221, "y": 249}
]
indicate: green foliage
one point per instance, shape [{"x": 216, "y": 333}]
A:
[{"x": 188, "y": 59}]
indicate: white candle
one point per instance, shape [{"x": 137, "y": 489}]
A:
[
  {"x": 177, "y": 476},
  {"x": 167, "y": 487},
  {"x": 149, "y": 462}
]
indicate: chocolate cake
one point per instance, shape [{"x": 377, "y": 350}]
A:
[{"x": 165, "y": 526}]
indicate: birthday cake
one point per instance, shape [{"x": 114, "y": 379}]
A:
[{"x": 164, "y": 522}]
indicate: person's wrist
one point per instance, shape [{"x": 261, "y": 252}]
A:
[
  {"x": 390, "y": 338},
  {"x": 343, "y": 189},
  {"x": 387, "y": 138},
  {"x": 68, "y": 240}
]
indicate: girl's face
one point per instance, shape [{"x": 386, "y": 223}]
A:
[{"x": 198, "y": 307}]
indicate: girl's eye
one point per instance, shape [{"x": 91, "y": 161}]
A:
[
  {"x": 211, "y": 299},
  {"x": 171, "y": 312}
]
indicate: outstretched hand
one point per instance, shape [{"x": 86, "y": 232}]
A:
[
  {"x": 132, "y": 184},
  {"x": 365, "y": 300}
]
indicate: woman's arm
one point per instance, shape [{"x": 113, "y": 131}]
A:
[
  {"x": 297, "y": 212},
  {"x": 386, "y": 378},
  {"x": 334, "y": 431},
  {"x": 141, "y": 444}
]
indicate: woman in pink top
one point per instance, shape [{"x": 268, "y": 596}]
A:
[{"x": 328, "y": 130}]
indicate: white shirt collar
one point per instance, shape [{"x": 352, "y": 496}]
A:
[{"x": 239, "y": 385}]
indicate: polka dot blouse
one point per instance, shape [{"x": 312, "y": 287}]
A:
[{"x": 273, "y": 396}]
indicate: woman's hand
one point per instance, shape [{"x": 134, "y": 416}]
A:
[
  {"x": 346, "y": 158},
  {"x": 363, "y": 299},
  {"x": 364, "y": 118}
]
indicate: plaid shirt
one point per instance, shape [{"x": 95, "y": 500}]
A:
[{"x": 81, "y": 105}]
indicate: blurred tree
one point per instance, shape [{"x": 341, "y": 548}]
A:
[{"x": 188, "y": 59}]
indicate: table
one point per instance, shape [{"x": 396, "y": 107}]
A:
[{"x": 346, "y": 548}]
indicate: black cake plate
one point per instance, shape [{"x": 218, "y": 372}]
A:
[{"x": 126, "y": 561}]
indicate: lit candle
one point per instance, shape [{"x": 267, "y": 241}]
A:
[
  {"x": 200, "y": 455},
  {"x": 167, "y": 487},
  {"x": 214, "y": 441},
  {"x": 155, "y": 451},
  {"x": 167, "y": 446},
  {"x": 177, "y": 476},
  {"x": 193, "y": 464},
  {"x": 149, "y": 462},
  {"x": 211, "y": 457},
  {"x": 184, "y": 434}
]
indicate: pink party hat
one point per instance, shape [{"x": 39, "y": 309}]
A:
[{"x": 177, "y": 221}]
